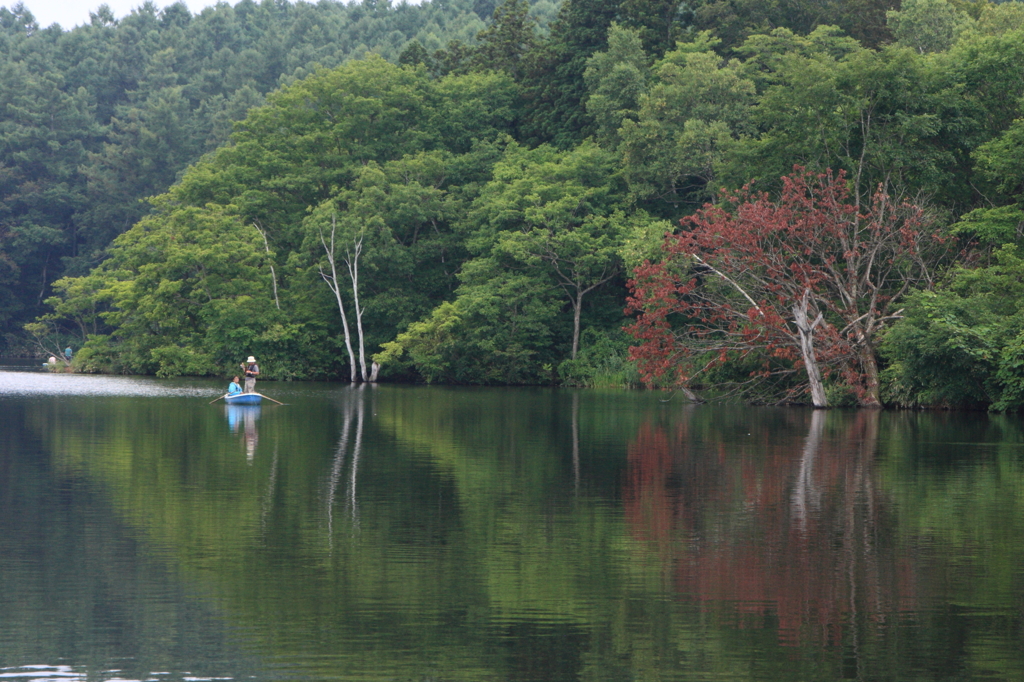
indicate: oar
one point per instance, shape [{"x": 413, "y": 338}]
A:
[
  {"x": 216, "y": 399},
  {"x": 270, "y": 399}
]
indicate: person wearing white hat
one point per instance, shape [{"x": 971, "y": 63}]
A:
[{"x": 252, "y": 370}]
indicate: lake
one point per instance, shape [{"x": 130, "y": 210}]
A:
[{"x": 432, "y": 533}]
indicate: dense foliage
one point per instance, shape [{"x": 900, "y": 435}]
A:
[
  {"x": 96, "y": 119},
  {"x": 469, "y": 207}
]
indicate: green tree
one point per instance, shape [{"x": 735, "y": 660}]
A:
[
  {"x": 134, "y": 101},
  {"x": 735, "y": 21},
  {"x": 44, "y": 137},
  {"x": 616, "y": 79},
  {"x": 696, "y": 108},
  {"x": 145, "y": 150},
  {"x": 504, "y": 44},
  {"x": 928, "y": 25},
  {"x": 963, "y": 345},
  {"x": 546, "y": 233},
  {"x": 319, "y": 157},
  {"x": 882, "y": 116},
  {"x": 995, "y": 19},
  {"x": 999, "y": 162},
  {"x": 360, "y": 239},
  {"x": 555, "y": 214},
  {"x": 498, "y": 330},
  {"x": 554, "y": 88},
  {"x": 181, "y": 294},
  {"x": 988, "y": 67}
]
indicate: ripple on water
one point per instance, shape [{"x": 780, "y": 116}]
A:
[
  {"x": 46, "y": 383},
  {"x": 63, "y": 673},
  {"x": 41, "y": 672}
]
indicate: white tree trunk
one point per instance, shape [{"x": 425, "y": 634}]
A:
[
  {"x": 273, "y": 275},
  {"x": 352, "y": 262},
  {"x": 332, "y": 282},
  {"x": 806, "y": 332}
]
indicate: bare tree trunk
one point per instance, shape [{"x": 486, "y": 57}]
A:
[
  {"x": 806, "y": 332},
  {"x": 577, "y": 306},
  {"x": 574, "y": 287},
  {"x": 42, "y": 285},
  {"x": 273, "y": 275},
  {"x": 53, "y": 350},
  {"x": 332, "y": 282},
  {"x": 869, "y": 364},
  {"x": 352, "y": 262},
  {"x": 691, "y": 396}
]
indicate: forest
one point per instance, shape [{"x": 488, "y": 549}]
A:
[{"x": 784, "y": 202}]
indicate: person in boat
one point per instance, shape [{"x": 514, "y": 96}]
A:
[
  {"x": 252, "y": 370},
  {"x": 233, "y": 387}
]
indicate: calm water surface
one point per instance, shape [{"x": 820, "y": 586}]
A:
[{"x": 421, "y": 533}]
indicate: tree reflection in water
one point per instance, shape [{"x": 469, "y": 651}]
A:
[
  {"x": 353, "y": 409},
  {"x": 471, "y": 535},
  {"x": 771, "y": 537}
]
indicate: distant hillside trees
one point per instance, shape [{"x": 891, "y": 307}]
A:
[{"x": 98, "y": 118}]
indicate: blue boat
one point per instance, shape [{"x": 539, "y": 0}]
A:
[{"x": 243, "y": 399}]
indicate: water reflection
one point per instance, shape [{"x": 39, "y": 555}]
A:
[
  {"x": 246, "y": 415},
  {"x": 439, "y": 533},
  {"x": 353, "y": 409},
  {"x": 806, "y": 497},
  {"x": 772, "y": 537}
]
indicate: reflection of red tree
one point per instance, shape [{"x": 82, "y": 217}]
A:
[
  {"x": 776, "y": 534},
  {"x": 649, "y": 502}
]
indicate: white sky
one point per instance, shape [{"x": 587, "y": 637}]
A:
[{"x": 71, "y": 13}]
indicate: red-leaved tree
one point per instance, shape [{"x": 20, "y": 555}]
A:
[{"x": 802, "y": 284}]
